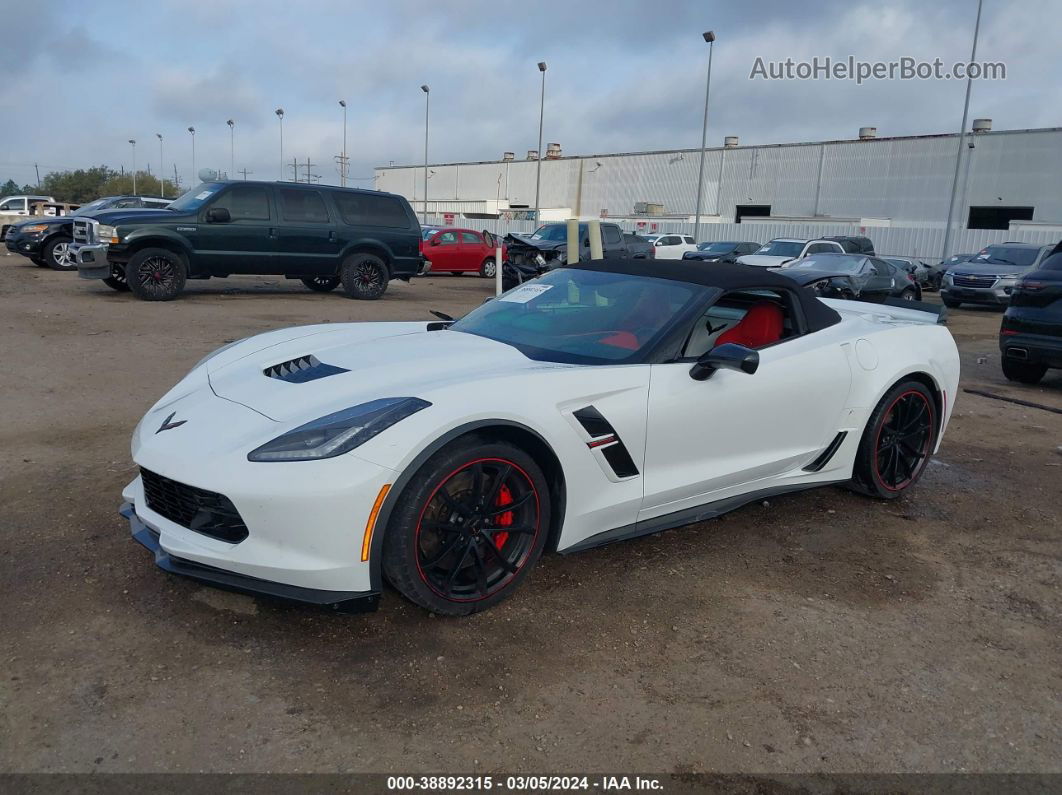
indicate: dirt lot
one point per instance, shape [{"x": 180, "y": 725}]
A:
[{"x": 819, "y": 632}]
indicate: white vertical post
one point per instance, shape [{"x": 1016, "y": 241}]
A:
[
  {"x": 597, "y": 251},
  {"x": 498, "y": 271},
  {"x": 573, "y": 239}
]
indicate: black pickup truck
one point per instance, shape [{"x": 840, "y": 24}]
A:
[
  {"x": 547, "y": 248},
  {"x": 322, "y": 235}
]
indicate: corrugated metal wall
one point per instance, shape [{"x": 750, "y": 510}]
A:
[
  {"x": 907, "y": 180},
  {"x": 922, "y": 242}
]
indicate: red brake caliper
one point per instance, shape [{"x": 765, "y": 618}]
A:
[{"x": 503, "y": 519}]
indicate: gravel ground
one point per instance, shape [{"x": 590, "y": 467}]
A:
[{"x": 817, "y": 632}]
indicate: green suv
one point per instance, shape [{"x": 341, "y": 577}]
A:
[{"x": 322, "y": 235}]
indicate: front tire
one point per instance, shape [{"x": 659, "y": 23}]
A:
[
  {"x": 156, "y": 274},
  {"x": 117, "y": 280},
  {"x": 468, "y": 527},
  {"x": 908, "y": 295},
  {"x": 897, "y": 442},
  {"x": 1023, "y": 372},
  {"x": 321, "y": 284},
  {"x": 57, "y": 255},
  {"x": 489, "y": 268},
  {"x": 950, "y": 303},
  {"x": 364, "y": 276}
]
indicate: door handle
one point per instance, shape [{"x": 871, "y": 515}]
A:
[
  {"x": 332, "y": 236},
  {"x": 272, "y": 231}
]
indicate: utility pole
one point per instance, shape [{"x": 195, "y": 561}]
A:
[
  {"x": 541, "y": 112},
  {"x": 245, "y": 172},
  {"x": 962, "y": 137},
  {"x": 295, "y": 169},
  {"x": 343, "y": 157},
  {"x": 308, "y": 166},
  {"x": 709, "y": 38},
  {"x": 176, "y": 180},
  {"x": 35, "y": 168}
]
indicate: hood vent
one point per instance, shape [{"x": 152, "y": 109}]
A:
[{"x": 302, "y": 369}]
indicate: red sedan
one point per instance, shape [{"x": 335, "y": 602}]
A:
[{"x": 452, "y": 250}]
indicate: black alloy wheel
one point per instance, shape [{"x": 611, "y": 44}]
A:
[
  {"x": 155, "y": 274},
  {"x": 473, "y": 522},
  {"x": 117, "y": 280},
  {"x": 321, "y": 284},
  {"x": 897, "y": 442},
  {"x": 364, "y": 276}
]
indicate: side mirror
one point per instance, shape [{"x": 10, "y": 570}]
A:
[
  {"x": 434, "y": 241},
  {"x": 729, "y": 356},
  {"x": 218, "y": 215}
]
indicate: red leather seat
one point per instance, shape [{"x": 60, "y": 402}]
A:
[{"x": 761, "y": 326}]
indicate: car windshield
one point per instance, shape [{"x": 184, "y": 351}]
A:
[
  {"x": 195, "y": 198},
  {"x": 578, "y": 316},
  {"x": 1009, "y": 255},
  {"x": 717, "y": 248},
  {"x": 899, "y": 263},
  {"x": 836, "y": 263},
  {"x": 99, "y": 204},
  {"x": 782, "y": 248},
  {"x": 555, "y": 232}
]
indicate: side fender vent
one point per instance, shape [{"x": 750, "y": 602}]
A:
[
  {"x": 302, "y": 369},
  {"x": 603, "y": 437}
]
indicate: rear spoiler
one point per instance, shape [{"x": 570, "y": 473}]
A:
[{"x": 939, "y": 310}]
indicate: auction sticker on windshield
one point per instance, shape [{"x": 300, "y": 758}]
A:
[{"x": 525, "y": 293}]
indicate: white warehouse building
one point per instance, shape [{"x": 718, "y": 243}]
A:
[{"x": 1009, "y": 188}]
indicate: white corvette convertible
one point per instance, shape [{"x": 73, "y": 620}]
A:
[{"x": 596, "y": 403}]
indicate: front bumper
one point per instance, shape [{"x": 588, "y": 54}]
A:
[
  {"x": 340, "y": 601},
  {"x": 91, "y": 260},
  {"x": 996, "y": 296},
  {"x": 23, "y": 244}
]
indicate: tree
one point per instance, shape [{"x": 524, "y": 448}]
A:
[
  {"x": 85, "y": 184},
  {"x": 9, "y": 188},
  {"x": 146, "y": 185}
]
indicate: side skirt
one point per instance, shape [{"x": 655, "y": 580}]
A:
[{"x": 698, "y": 513}]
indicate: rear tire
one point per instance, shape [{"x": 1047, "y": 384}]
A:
[
  {"x": 899, "y": 438},
  {"x": 156, "y": 274},
  {"x": 321, "y": 284},
  {"x": 38, "y": 262},
  {"x": 1023, "y": 372},
  {"x": 950, "y": 303},
  {"x": 489, "y": 268},
  {"x": 56, "y": 254},
  {"x": 908, "y": 295},
  {"x": 448, "y": 547},
  {"x": 364, "y": 276}
]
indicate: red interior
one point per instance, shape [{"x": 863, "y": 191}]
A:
[{"x": 761, "y": 326}]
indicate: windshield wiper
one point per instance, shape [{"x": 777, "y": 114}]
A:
[
  {"x": 1001, "y": 259},
  {"x": 441, "y": 315}
]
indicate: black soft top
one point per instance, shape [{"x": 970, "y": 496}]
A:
[{"x": 723, "y": 276}]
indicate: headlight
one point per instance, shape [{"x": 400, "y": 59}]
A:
[
  {"x": 33, "y": 228},
  {"x": 338, "y": 433},
  {"x": 947, "y": 279},
  {"x": 540, "y": 259},
  {"x": 107, "y": 234}
]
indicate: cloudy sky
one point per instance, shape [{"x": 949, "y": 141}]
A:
[{"x": 81, "y": 78}]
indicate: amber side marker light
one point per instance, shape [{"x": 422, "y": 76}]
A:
[{"x": 370, "y": 525}]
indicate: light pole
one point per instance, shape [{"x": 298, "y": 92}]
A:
[
  {"x": 962, "y": 136},
  {"x": 343, "y": 162},
  {"x": 541, "y": 109},
  {"x": 232, "y": 148},
  {"x": 427, "y": 98},
  {"x": 133, "y": 142},
  {"x": 280, "y": 115},
  {"x": 191, "y": 130},
  {"x": 709, "y": 37},
  {"x": 162, "y": 167}
]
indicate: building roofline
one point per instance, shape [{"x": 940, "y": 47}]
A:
[{"x": 695, "y": 150}]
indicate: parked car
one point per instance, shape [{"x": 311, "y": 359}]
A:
[
  {"x": 781, "y": 250},
  {"x": 854, "y": 244},
  {"x": 14, "y": 209},
  {"x": 921, "y": 271},
  {"x": 721, "y": 251},
  {"x": 46, "y": 240},
  {"x": 607, "y": 400},
  {"x": 547, "y": 248},
  {"x": 853, "y": 277},
  {"x": 20, "y": 205},
  {"x": 322, "y": 235},
  {"x": 457, "y": 251},
  {"x": 670, "y": 245},
  {"x": 989, "y": 278},
  {"x": 1030, "y": 336}
]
